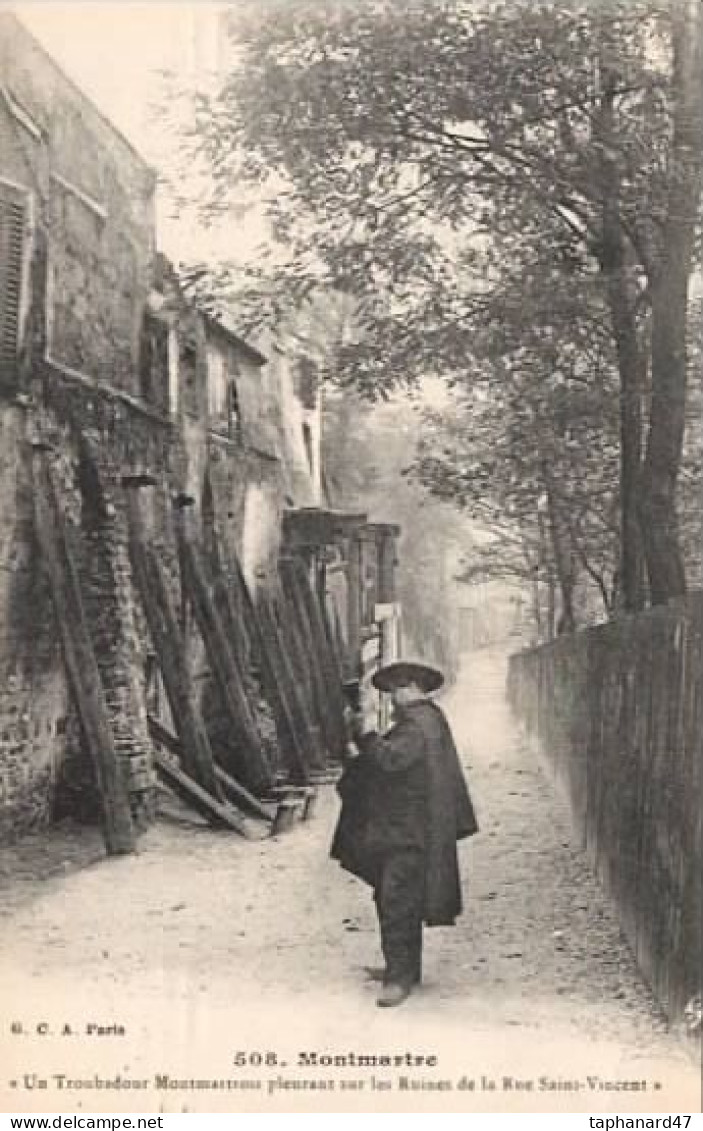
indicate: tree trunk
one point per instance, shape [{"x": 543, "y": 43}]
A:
[
  {"x": 547, "y": 564},
  {"x": 662, "y": 461},
  {"x": 631, "y": 361},
  {"x": 564, "y": 565},
  {"x": 631, "y": 369}
]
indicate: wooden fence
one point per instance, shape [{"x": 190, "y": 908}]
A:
[{"x": 617, "y": 711}]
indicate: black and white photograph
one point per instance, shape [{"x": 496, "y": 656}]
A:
[{"x": 351, "y": 556}]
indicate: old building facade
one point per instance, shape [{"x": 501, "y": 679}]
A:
[{"x": 115, "y": 388}]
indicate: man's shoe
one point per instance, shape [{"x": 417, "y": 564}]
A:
[
  {"x": 378, "y": 974},
  {"x": 393, "y": 994},
  {"x": 375, "y": 973}
]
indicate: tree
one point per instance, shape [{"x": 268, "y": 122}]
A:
[
  {"x": 669, "y": 282},
  {"x": 538, "y": 468},
  {"x": 407, "y": 148}
]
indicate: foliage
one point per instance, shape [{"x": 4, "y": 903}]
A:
[{"x": 496, "y": 185}]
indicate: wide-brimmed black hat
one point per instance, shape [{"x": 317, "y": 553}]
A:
[{"x": 402, "y": 672}]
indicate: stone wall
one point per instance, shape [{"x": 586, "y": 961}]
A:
[{"x": 34, "y": 703}]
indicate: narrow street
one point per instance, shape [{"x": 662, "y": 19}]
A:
[{"x": 204, "y": 945}]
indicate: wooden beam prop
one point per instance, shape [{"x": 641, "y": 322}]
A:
[
  {"x": 334, "y": 644},
  {"x": 353, "y": 555},
  {"x": 310, "y": 652},
  {"x": 223, "y": 816},
  {"x": 241, "y": 616},
  {"x": 239, "y": 796},
  {"x": 326, "y": 662},
  {"x": 228, "y": 606},
  {"x": 327, "y": 659},
  {"x": 259, "y": 774},
  {"x": 279, "y": 685},
  {"x": 232, "y": 789},
  {"x": 295, "y": 646},
  {"x": 198, "y": 761},
  {"x": 81, "y": 664},
  {"x": 277, "y": 647}
]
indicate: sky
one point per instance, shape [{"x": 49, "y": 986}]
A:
[{"x": 116, "y": 52}]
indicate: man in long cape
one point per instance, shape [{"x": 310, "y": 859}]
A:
[{"x": 405, "y": 804}]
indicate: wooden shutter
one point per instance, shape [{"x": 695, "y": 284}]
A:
[{"x": 12, "y": 231}]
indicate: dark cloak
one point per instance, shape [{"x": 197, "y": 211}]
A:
[{"x": 407, "y": 790}]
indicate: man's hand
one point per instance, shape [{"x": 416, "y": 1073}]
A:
[{"x": 354, "y": 721}]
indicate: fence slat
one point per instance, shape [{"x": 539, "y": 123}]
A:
[{"x": 617, "y": 710}]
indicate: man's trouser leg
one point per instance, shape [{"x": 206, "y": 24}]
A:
[{"x": 400, "y": 897}]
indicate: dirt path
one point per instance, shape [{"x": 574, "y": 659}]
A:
[{"x": 204, "y": 946}]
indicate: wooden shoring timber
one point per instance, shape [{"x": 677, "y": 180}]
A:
[
  {"x": 279, "y": 683},
  {"x": 281, "y": 624},
  {"x": 229, "y": 608},
  {"x": 243, "y": 617},
  {"x": 237, "y": 795},
  {"x": 224, "y": 816},
  {"x": 294, "y": 630},
  {"x": 277, "y": 647},
  {"x": 233, "y": 790},
  {"x": 319, "y": 595},
  {"x": 327, "y": 658},
  {"x": 333, "y": 632},
  {"x": 297, "y": 660},
  {"x": 80, "y": 660},
  {"x": 295, "y": 584},
  {"x": 293, "y": 648},
  {"x": 259, "y": 774},
  {"x": 198, "y": 761}
]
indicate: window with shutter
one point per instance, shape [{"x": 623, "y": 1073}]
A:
[{"x": 12, "y": 233}]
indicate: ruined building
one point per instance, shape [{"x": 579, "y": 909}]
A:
[{"x": 175, "y": 595}]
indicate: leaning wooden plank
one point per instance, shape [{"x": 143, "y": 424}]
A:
[
  {"x": 279, "y": 684},
  {"x": 307, "y": 653},
  {"x": 290, "y": 630},
  {"x": 234, "y": 700},
  {"x": 298, "y": 648},
  {"x": 301, "y": 664},
  {"x": 240, "y": 620},
  {"x": 232, "y": 789},
  {"x": 81, "y": 664},
  {"x": 228, "y": 604},
  {"x": 168, "y": 645},
  {"x": 332, "y": 637},
  {"x": 198, "y": 798},
  {"x": 240, "y": 796},
  {"x": 278, "y": 647},
  {"x": 327, "y": 667},
  {"x": 328, "y": 658}
]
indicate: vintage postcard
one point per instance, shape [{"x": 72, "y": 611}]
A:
[{"x": 350, "y": 557}]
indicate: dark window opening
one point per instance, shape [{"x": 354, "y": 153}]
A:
[
  {"x": 307, "y": 382},
  {"x": 188, "y": 366},
  {"x": 153, "y": 368},
  {"x": 234, "y": 417},
  {"x": 307, "y": 440}
]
